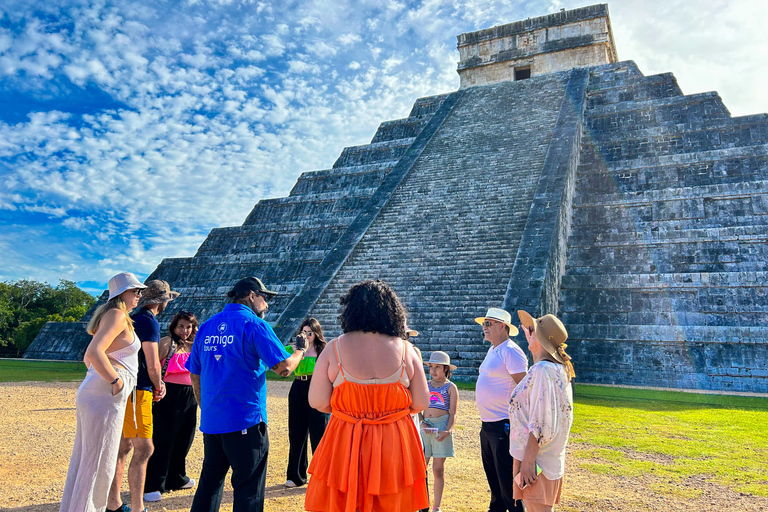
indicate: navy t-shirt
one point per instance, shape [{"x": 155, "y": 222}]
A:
[
  {"x": 232, "y": 352},
  {"x": 147, "y": 329}
]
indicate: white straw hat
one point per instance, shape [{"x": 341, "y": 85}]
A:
[
  {"x": 440, "y": 357},
  {"x": 122, "y": 282},
  {"x": 500, "y": 315}
]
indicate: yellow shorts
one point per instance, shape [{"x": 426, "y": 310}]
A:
[{"x": 143, "y": 426}]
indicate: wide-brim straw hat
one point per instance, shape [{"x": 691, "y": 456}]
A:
[
  {"x": 122, "y": 282},
  {"x": 549, "y": 331},
  {"x": 500, "y": 315},
  {"x": 157, "y": 292},
  {"x": 439, "y": 357},
  {"x": 412, "y": 333}
]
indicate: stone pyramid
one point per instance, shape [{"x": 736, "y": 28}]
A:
[{"x": 557, "y": 180}]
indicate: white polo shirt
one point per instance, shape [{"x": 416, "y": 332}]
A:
[{"x": 495, "y": 384}]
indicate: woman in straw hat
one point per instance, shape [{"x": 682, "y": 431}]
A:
[
  {"x": 541, "y": 414},
  {"x": 112, "y": 361}
]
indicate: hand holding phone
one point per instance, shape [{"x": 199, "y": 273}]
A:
[{"x": 519, "y": 478}]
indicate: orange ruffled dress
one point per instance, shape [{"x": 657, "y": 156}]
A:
[{"x": 370, "y": 458}]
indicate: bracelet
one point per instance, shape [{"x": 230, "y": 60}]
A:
[{"x": 114, "y": 381}]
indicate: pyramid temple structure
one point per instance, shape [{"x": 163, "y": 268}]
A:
[{"x": 557, "y": 179}]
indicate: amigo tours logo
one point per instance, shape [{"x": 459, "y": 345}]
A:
[{"x": 214, "y": 341}]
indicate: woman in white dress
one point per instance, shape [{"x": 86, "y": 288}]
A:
[
  {"x": 540, "y": 415},
  {"x": 112, "y": 362}
]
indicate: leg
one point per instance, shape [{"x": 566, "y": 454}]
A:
[
  {"x": 438, "y": 470},
  {"x": 504, "y": 463},
  {"x": 137, "y": 471},
  {"x": 489, "y": 466},
  {"x": 177, "y": 469},
  {"x": 248, "y": 455},
  {"x": 163, "y": 438},
  {"x": 297, "y": 432},
  {"x": 317, "y": 422},
  {"x": 537, "y": 507},
  {"x": 215, "y": 467},
  {"x": 113, "y": 499}
]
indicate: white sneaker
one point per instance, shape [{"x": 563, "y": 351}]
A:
[
  {"x": 290, "y": 483},
  {"x": 152, "y": 496},
  {"x": 189, "y": 484}
]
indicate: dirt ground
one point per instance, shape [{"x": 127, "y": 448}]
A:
[{"x": 37, "y": 428}]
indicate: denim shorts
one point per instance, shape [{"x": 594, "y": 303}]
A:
[{"x": 433, "y": 447}]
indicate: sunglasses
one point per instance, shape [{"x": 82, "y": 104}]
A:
[
  {"x": 488, "y": 323},
  {"x": 138, "y": 291}
]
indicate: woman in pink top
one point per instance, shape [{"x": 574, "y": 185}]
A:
[{"x": 175, "y": 416}]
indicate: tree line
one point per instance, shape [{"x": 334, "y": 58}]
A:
[{"x": 26, "y": 305}]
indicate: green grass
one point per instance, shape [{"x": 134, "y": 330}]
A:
[
  {"x": 674, "y": 436},
  {"x": 20, "y": 370}
]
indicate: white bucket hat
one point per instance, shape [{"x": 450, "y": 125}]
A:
[
  {"x": 500, "y": 315},
  {"x": 122, "y": 282},
  {"x": 439, "y": 357}
]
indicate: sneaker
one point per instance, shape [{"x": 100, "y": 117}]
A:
[
  {"x": 122, "y": 508},
  {"x": 290, "y": 483},
  {"x": 189, "y": 484},
  {"x": 152, "y": 496}
]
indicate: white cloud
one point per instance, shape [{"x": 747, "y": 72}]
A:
[{"x": 217, "y": 105}]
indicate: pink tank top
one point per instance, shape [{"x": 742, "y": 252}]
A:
[{"x": 177, "y": 373}]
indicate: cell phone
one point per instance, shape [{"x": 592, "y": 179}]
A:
[{"x": 519, "y": 478}]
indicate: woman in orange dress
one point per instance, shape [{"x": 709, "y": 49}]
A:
[{"x": 371, "y": 380}]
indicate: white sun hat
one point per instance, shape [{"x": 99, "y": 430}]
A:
[
  {"x": 122, "y": 282},
  {"x": 500, "y": 315}
]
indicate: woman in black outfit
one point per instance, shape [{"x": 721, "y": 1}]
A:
[
  {"x": 303, "y": 420},
  {"x": 175, "y": 416}
]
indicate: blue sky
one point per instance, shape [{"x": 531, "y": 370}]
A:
[{"x": 129, "y": 129}]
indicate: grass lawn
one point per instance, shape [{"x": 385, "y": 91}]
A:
[
  {"x": 675, "y": 436},
  {"x": 20, "y": 370}
]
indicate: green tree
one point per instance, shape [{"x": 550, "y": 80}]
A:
[{"x": 26, "y": 305}]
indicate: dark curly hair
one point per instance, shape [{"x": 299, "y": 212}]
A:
[{"x": 372, "y": 306}]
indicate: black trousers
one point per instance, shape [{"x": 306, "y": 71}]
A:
[
  {"x": 174, "y": 421},
  {"x": 497, "y": 463},
  {"x": 246, "y": 452},
  {"x": 303, "y": 422}
]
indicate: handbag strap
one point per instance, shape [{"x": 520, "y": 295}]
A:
[{"x": 168, "y": 359}]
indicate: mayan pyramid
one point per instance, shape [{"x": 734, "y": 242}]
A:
[{"x": 556, "y": 179}]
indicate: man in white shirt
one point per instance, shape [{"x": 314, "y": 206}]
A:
[{"x": 504, "y": 366}]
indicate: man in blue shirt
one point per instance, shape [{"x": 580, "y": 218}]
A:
[{"x": 228, "y": 364}]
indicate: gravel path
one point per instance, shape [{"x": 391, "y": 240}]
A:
[{"x": 37, "y": 428}]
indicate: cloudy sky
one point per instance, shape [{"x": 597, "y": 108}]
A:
[{"x": 129, "y": 129}]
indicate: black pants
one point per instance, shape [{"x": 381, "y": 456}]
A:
[
  {"x": 303, "y": 422},
  {"x": 174, "y": 420},
  {"x": 246, "y": 452},
  {"x": 497, "y": 463}
]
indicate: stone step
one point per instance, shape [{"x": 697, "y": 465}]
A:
[
  {"x": 427, "y": 106},
  {"x": 372, "y": 153},
  {"x": 615, "y": 73},
  {"x": 408, "y": 128},
  {"x": 661, "y": 282},
  {"x": 712, "y": 102},
  {"x": 747, "y": 335},
  {"x": 633, "y": 89},
  {"x": 713, "y": 193}
]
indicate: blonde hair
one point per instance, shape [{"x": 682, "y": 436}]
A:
[{"x": 114, "y": 302}]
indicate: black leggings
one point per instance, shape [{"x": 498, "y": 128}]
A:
[{"x": 303, "y": 422}]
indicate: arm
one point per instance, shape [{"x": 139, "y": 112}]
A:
[
  {"x": 110, "y": 327},
  {"x": 285, "y": 367},
  {"x": 528, "y": 464},
  {"x": 418, "y": 388},
  {"x": 195, "y": 386},
  {"x": 163, "y": 347},
  {"x": 453, "y": 393},
  {"x": 321, "y": 387},
  {"x": 153, "y": 368}
]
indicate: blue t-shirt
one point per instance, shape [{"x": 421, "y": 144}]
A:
[
  {"x": 147, "y": 329},
  {"x": 232, "y": 352}
]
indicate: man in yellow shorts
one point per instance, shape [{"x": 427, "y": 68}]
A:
[{"x": 137, "y": 426}]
